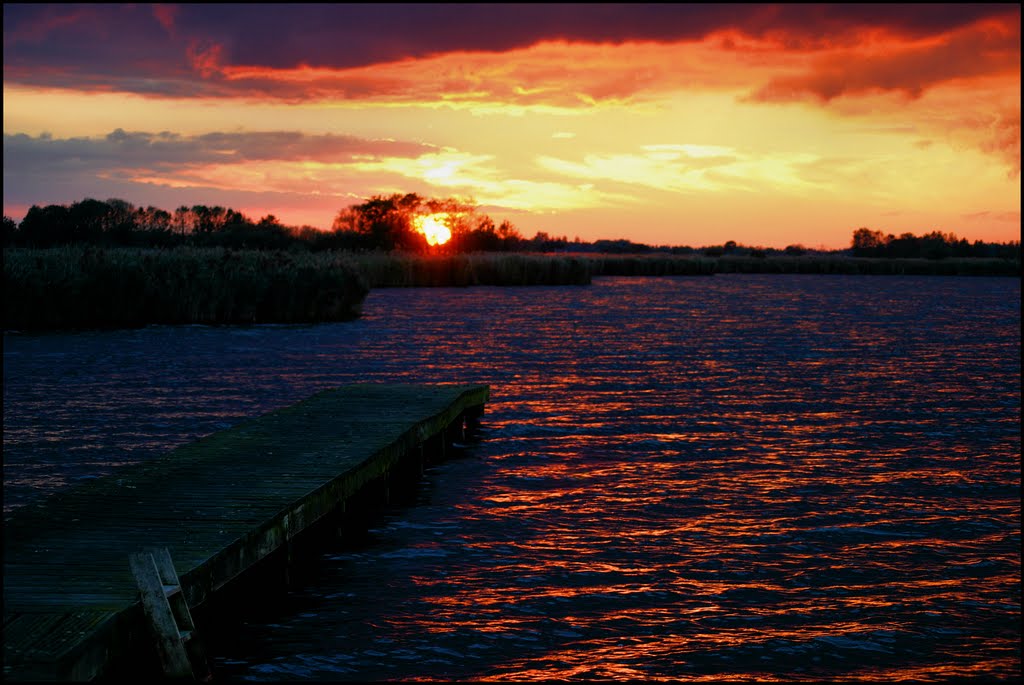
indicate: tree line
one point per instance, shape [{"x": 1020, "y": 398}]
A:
[
  {"x": 381, "y": 223},
  {"x": 934, "y": 245},
  {"x": 388, "y": 223}
]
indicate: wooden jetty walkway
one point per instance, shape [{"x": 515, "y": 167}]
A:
[{"x": 219, "y": 505}]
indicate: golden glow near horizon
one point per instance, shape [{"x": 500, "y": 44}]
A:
[
  {"x": 684, "y": 143},
  {"x": 433, "y": 228}
]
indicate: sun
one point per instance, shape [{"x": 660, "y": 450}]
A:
[{"x": 433, "y": 228}]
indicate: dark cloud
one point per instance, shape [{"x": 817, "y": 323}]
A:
[
  {"x": 170, "y": 151},
  {"x": 347, "y": 35},
  {"x": 54, "y": 44},
  {"x": 46, "y": 170},
  {"x": 155, "y": 49},
  {"x": 69, "y": 188}
]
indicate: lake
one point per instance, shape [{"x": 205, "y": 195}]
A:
[{"x": 703, "y": 478}]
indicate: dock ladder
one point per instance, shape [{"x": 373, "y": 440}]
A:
[{"x": 180, "y": 650}]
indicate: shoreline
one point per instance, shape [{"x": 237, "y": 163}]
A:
[{"x": 89, "y": 288}]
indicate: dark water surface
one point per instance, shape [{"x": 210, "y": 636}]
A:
[{"x": 737, "y": 477}]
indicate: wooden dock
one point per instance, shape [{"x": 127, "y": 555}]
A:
[{"x": 219, "y": 505}]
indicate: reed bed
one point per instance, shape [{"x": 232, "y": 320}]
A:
[
  {"x": 703, "y": 265},
  {"x": 652, "y": 265},
  {"x": 842, "y": 264},
  {"x": 84, "y": 287},
  {"x": 87, "y": 287},
  {"x": 391, "y": 270}
]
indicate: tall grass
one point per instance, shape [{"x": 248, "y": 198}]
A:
[
  {"x": 651, "y": 265},
  {"x": 842, "y": 264},
  {"x": 821, "y": 263},
  {"x": 388, "y": 270},
  {"x": 88, "y": 287},
  {"x": 83, "y": 287}
]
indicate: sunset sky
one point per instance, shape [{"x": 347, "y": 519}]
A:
[{"x": 669, "y": 124}]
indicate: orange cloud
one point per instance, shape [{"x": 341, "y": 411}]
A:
[
  {"x": 990, "y": 47},
  {"x": 980, "y": 63},
  {"x": 1003, "y": 138},
  {"x": 554, "y": 74},
  {"x": 482, "y": 53},
  {"x": 839, "y": 109}
]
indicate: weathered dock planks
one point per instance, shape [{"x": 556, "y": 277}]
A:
[{"x": 71, "y": 606}]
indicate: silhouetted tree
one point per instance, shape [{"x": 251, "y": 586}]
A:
[
  {"x": 905, "y": 246},
  {"x": 152, "y": 219},
  {"x": 543, "y": 242},
  {"x": 10, "y": 231},
  {"x": 621, "y": 246},
  {"x": 384, "y": 221},
  {"x": 46, "y": 226},
  {"x": 387, "y": 222},
  {"x": 511, "y": 239},
  {"x": 482, "y": 238},
  {"x": 868, "y": 243},
  {"x": 88, "y": 220},
  {"x": 119, "y": 224},
  {"x": 182, "y": 221},
  {"x": 936, "y": 245}
]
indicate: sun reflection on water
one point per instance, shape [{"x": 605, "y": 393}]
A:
[{"x": 765, "y": 480}]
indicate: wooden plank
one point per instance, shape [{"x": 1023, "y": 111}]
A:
[
  {"x": 21, "y": 633},
  {"x": 220, "y": 504},
  {"x": 47, "y": 601}
]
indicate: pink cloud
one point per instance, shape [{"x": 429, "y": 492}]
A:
[{"x": 166, "y": 14}]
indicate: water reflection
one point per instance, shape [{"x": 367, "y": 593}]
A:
[{"x": 771, "y": 478}]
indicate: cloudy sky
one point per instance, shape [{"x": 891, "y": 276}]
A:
[{"x": 670, "y": 124}]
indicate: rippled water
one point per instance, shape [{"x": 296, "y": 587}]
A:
[{"x": 737, "y": 477}]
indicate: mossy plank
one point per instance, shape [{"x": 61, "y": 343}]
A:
[{"x": 219, "y": 505}]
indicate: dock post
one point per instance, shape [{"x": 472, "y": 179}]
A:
[
  {"x": 473, "y": 415},
  {"x": 288, "y": 561},
  {"x": 455, "y": 431}
]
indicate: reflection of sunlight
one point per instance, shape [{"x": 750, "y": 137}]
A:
[{"x": 686, "y": 487}]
